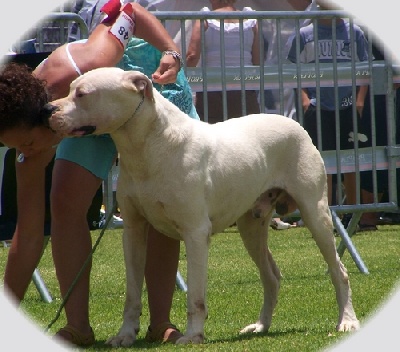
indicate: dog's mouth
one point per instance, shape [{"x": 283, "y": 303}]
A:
[{"x": 83, "y": 131}]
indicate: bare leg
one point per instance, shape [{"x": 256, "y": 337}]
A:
[
  {"x": 350, "y": 187},
  {"x": 160, "y": 273},
  {"x": 72, "y": 194}
]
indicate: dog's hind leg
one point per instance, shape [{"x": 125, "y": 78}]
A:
[
  {"x": 254, "y": 233},
  {"x": 317, "y": 218}
]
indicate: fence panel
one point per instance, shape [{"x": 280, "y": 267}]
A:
[
  {"x": 285, "y": 80},
  {"x": 283, "y": 77}
]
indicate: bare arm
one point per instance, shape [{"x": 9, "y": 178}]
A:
[
  {"x": 255, "y": 49},
  {"x": 194, "y": 49},
  {"x": 28, "y": 239},
  {"x": 103, "y": 50},
  {"x": 149, "y": 28}
]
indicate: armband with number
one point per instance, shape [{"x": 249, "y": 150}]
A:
[{"x": 124, "y": 26}]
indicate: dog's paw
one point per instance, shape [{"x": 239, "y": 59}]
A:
[
  {"x": 256, "y": 327},
  {"x": 126, "y": 340},
  {"x": 185, "y": 340},
  {"x": 349, "y": 325}
]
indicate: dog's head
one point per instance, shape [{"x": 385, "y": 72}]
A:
[{"x": 99, "y": 102}]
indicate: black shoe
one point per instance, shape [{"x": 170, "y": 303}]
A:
[{"x": 346, "y": 219}]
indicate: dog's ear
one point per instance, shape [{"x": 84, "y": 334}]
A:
[{"x": 140, "y": 82}]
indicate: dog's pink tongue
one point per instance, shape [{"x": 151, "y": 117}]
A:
[
  {"x": 83, "y": 131},
  {"x": 77, "y": 133}
]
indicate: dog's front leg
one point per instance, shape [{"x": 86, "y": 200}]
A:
[
  {"x": 134, "y": 246},
  {"x": 197, "y": 246}
]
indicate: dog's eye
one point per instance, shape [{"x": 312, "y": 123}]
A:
[{"x": 79, "y": 93}]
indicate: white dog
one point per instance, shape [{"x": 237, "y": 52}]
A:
[{"x": 190, "y": 179}]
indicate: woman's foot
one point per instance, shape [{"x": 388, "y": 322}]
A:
[
  {"x": 164, "y": 332},
  {"x": 71, "y": 336}
]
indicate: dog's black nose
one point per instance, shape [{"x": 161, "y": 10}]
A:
[
  {"x": 49, "y": 108},
  {"x": 45, "y": 113}
]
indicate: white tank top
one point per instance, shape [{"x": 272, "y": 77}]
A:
[{"x": 231, "y": 42}]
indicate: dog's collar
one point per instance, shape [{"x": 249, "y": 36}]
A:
[
  {"x": 138, "y": 107},
  {"x": 134, "y": 113}
]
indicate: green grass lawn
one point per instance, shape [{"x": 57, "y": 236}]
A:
[{"x": 306, "y": 313}]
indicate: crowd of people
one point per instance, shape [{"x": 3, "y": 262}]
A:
[{"x": 80, "y": 165}]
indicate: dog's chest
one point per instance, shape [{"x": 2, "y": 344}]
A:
[{"x": 145, "y": 196}]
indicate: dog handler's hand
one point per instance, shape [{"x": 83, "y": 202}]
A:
[{"x": 167, "y": 71}]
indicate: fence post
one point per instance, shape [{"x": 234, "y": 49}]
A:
[{"x": 346, "y": 241}]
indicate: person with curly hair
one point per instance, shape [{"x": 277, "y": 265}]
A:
[
  {"x": 80, "y": 166},
  {"x": 22, "y": 95}
]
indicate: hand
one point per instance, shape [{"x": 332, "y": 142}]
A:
[{"x": 167, "y": 71}]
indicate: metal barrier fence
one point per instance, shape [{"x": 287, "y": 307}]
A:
[
  {"x": 282, "y": 77},
  {"x": 51, "y": 33}
]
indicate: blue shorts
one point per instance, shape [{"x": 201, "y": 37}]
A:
[{"x": 94, "y": 153}]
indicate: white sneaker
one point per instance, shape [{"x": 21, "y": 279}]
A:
[
  {"x": 117, "y": 222},
  {"x": 280, "y": 225}
]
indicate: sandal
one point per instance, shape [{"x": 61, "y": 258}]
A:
[
  {"x": 70, "y": 335},
  {"x": 157, "y": 334}
]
